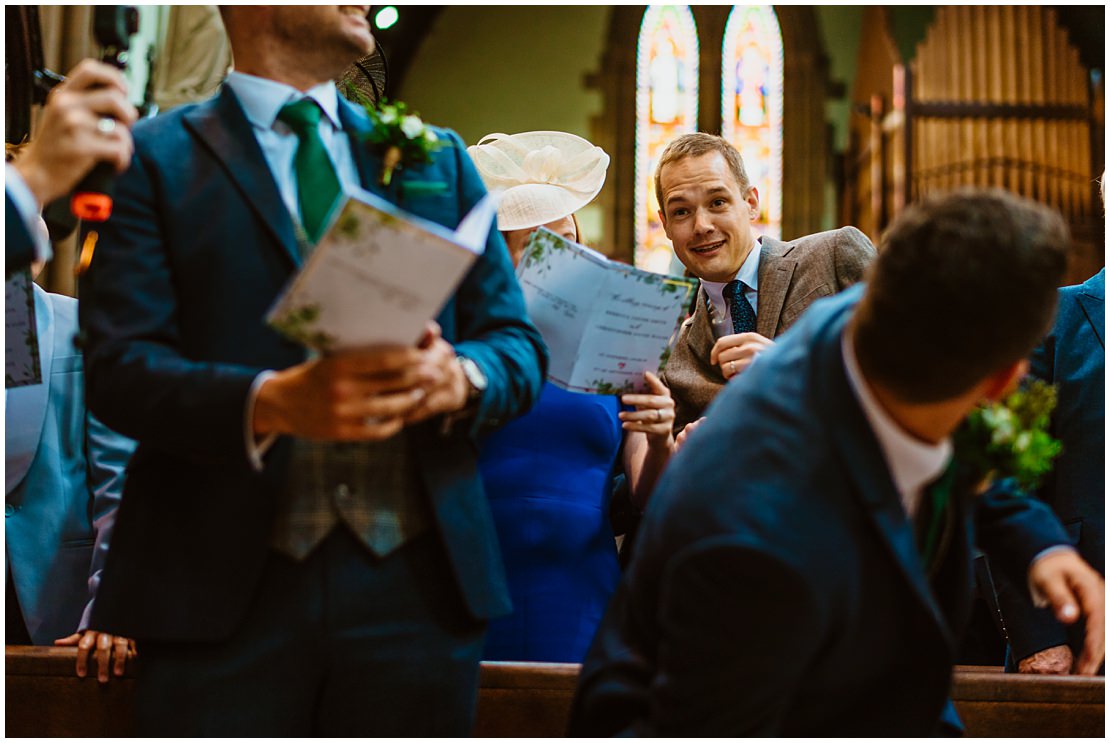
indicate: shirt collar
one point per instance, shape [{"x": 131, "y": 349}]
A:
[
  {"x": 913, "y": 463},
  {"x": 262, "y": 99},
  {"x": 748, "y": 273}
]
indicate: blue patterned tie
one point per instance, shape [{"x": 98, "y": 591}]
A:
[{"x": 743, "y": 316}]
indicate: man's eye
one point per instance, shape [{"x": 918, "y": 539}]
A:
[
  {"x": 720, "y": 202},
  {"x": 680, "y": 212}
]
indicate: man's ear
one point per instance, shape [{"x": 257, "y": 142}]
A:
[
  {"x": 1003, "y": 382},
  {"x": 752, "y": 200},
  {"x": 663, "y": 219}
]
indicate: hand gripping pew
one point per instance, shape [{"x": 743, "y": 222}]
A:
[{"x": 45, "y": 699}]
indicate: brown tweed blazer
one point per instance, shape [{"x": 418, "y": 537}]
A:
[{"x": 792, "y": 276}]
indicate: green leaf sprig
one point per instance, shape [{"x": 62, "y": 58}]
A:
[{"x": 1010, "y": 438}]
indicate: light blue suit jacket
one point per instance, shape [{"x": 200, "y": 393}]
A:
[{"x": 64, "y": 477}]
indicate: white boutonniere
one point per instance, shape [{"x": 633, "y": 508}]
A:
[{"x": 400, "y": 136}]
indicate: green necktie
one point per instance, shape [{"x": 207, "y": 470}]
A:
[
  {"x": 317, "y": 183},
  {"x": 934, "y": 519}
]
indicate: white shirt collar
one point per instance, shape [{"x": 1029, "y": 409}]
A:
[
  {"x": 913, "y": 463},
  {"x": 262, "y": 99},
  {"x": 748, "y": 273}
]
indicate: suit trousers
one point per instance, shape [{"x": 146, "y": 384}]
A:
[{"x": 340, "y": 644}]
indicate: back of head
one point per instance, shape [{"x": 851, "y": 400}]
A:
[
  {"x": 697, "y": 144},
  {"x": 964, "y": 285}
]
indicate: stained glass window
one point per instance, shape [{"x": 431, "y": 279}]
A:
[
  {"x": 751, "y": 104},
  {"x": 666, "y": 106}
]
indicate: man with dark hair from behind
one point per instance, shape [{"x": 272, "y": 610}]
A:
[{"x": 779, "y": 588}]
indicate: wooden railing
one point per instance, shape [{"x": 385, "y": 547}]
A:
[{"x": 45, "y": 699}]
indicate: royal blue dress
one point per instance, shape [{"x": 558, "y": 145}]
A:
[{"x": 548, "y": 477}]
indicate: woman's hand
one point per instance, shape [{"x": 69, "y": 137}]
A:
[
  {"x": 648, "y": 437},
  {"x": 653, "y": 416}
]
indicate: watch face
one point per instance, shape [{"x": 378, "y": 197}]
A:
[{"x": 473, "y": 374}]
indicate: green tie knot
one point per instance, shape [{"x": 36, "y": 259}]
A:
[{"x": 302, "y": 116}]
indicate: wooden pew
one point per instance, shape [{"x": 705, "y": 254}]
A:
[
  {"x": 45, "y": 699},
  {"x": 525, "y": 700},
  {"x": 997, "y": 705}
]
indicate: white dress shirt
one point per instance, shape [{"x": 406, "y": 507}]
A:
[
  {"x": 262, "y": 100},
  {"x": 913, "y": 463}
]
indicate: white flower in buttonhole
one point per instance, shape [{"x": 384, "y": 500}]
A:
[{"x": 412, "y": 126}]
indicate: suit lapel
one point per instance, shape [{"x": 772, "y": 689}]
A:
[
  {"x": 224, "y": 128},
  {"x": 357, "y": 126},
  {"x": 699, "y": 336},
  {"x": 867, "y": 467},
  {"x": 1092, "y": 298},
  {"x": 26, "y": 406},
  {"x": 775, "y": 272}
]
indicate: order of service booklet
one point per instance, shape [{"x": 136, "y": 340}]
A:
[
  {"x": 605, "y": 323},
  {"x": 378, "y": 275}
]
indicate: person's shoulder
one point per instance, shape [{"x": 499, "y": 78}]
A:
[
  {"x": 61, "y": 302},
  {"x": 172, "y": 119},
  {"x": 161, "y": 136},
  {"x": 1092, "y": 287},
  {"x": 829, "y": 241}
]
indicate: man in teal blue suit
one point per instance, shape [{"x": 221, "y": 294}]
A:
[
  {"x": 63, "y": 479},
  {"x": 303, "y": 547}
]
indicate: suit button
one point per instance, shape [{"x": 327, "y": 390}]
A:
[
  {"x": 343, "y": 491},
  {"x": 9, "y": 509}
]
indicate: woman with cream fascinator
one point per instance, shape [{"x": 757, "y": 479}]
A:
[{"x": 549, "y": 474}]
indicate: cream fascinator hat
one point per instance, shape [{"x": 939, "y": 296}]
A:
[{"x": 544, "y": 176}]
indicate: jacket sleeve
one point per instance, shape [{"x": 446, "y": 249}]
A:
[
  {"x": 853, "y": 254},
  {"x": 139, "y": 380},
  {"x": 106, "y": 455},
  {"x": 493, "y": 328},
  {"x": 732, "y": 670},
  {"x": 1029, "y": 629},
  {"x": 1013, "y": 528}
]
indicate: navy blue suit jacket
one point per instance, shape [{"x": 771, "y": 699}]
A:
[
  {"x": 777, "y": 588},
  {"x": 1073, "y": 357},
  {"x": 19, "y": 250},
  {"x": 197, "y": 249}
]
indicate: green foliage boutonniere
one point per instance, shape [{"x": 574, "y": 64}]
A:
[
  {"x": 1011, "y": 438},
  {"x": 401, "y": 136}
]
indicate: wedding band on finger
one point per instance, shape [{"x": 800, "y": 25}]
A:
[
  {"x": 370, "y": 421},
  {"x": 106, "y": 125},
  {"x": 731, "y": 368}
]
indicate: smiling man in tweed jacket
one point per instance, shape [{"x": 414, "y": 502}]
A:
[{"x": 753, "y": 288}]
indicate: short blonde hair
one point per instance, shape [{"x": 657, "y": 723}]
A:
[{"x": 695, "y": 145}]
